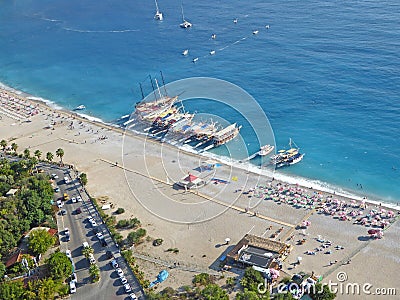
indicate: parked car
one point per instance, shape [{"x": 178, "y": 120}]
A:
[
  {"x": 109, "y": 254},
  {"x": 60, "y": 203},
  {"x": 57, "y": 189},
  {"x": 92, "y": 260},
  {"x": 74, "y": 278},
  {"x": 78, "y": 210},
  {"x": 100, "y": 235},
  {"x": 54, "y": 176},
  {"x": 114, "y": 263},
  {"x": 85, "y": 245},
  {"x": 66, "y": 231},
  {"x": 127, "y": 288},
  {"x": 68, "y": 253},
  {"x": 123, "y": 280},
  {"x": 72, "y": 287},
  {"x": 73, "y": 200},
  {"x": 79, "y": 198},
  {"x": 103, "y": 243},
  {"x": 132, "y": 296},
  {"x": 93, "y": 222},
  {"x": 120, "y": 272},
  {"x": 63, "y": 212}
]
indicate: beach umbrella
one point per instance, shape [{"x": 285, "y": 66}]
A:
[{"x": 372, "y": 231}]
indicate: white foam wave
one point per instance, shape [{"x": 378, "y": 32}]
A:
[
  {"x": 45, "y": 101},
  {"x": 50, "y": 20},
  {"x": 91, "y": 118}
]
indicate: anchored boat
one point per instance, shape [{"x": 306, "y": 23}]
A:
[{"x": 287, "y": 157}]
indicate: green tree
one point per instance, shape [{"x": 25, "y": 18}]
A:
[
  {"x": 83, "y": 179},
  {"x": 214, "y": 292},
  {"x": 119, "y": 211},
  {"x": 49, "y": 157},
  {"x": 60, "y": 266},
  {"x": 249, "y": 295},
  {"x": 38, "y": 154},
  {"x": 2, "y": 270},
  {"x": 45, "y": 289},
  {"x": 14, "y": 146},
  {"x": 87, "y": 251},
  {"x": 203, "y": 279},
  {"x": 251, "y": 279},
  {"x": 27, "y": 153},
  {"x": 135, "y": 237},
  {"x": 60, "y": 154},
  {"x": 322, "y": 292},
  {"x": 3, "y": 144},
  {"x": 11, "y": 290},
  {"x": 94, "y": 272},
  {"x": 284, "y": 296},
  {"x": 40, "y": 241},
  {"x": 230, "y": 283}
]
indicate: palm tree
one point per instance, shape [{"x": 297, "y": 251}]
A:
[
  {"x": 49, "y": 156},
  {"x": 14, "y": 146},
  {"x": 94, "y": 272},
  {"x": 27, "y": 153},
  {"x": 3, "y": 144},
  {"x": 60, "y": 154},
  {"x": 87, "y": 251},
  {"x": 38, "y": 154}
]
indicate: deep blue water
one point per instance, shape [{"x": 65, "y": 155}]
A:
[{"x": 326, "y": 73}]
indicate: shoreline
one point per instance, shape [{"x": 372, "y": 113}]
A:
[{"x": 309, "y": 183}]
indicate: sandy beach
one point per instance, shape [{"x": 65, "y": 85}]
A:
[{"x": 138, "y": 174}]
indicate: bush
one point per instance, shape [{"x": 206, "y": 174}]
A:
[
  {"x": 135, "y": 237},
  {"x": 119, "y": 211}
]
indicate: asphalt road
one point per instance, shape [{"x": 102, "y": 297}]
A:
[{"x": 109, "y": 286}]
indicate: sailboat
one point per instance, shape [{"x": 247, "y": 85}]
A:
[
  {"x": 185, "y": 24},
  {"x": 158, "y": 16},
  {"x": 287, "y": 157}
]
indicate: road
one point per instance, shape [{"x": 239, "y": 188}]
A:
[{"x": 109, "y": 286}]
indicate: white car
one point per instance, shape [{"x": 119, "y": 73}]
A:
[
  {"x": 120, "y": 272},
  {"x": 68, "y": 253},
  {"x": 127, "y": 288},
  {"x": 60, "y": 203},
  {"x": 72, "y": 287},
  {"x": 92, "y": 260},
  {"x": 73, "y": 199},
  {"x": 66, "y": 231},
  {"x": 74, "y": 278},
  {"x": 123, "y": 280},
  {"x": 100, "y": 235},
  {"x": 93, "y": 222},
  {"x": 54, "y": 176},
  {"x": 132, "y": 296},
  {"x": 79, "y": 198},
  {"x": 114, "y": 263}
]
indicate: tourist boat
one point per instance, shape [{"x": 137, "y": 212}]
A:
[
  {"x": 80, "y": 107},
  {"x": 225, "y": 135},
  {"x": 185, "y": 52},
  {"x": 287, "y": 157},
  {"x": 265, "y": 150},
  {"x": 158, "y": 16},
  {"x": 185, "y": 24}
]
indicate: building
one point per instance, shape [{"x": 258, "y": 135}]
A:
[
  {"x": 257, "y": 251},
  {"x": 191, "y": 182}
]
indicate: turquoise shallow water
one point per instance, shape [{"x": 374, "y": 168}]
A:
[{"x": 326, "y": 74}]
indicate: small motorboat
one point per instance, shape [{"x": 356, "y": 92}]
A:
[
  {"x": 195, "y": 59},
  {"x": 213, "y": 36},
  {"x": 185, "y": 52},
  {"x": 267, "y": 26},
  {"x": 186, "y": 24},
  {"x": 235, "y": 21},
  {"x": 212, "y": 52},
  {"x": 255, "y": 32},
  {"x": 265, "y": 150},
  {"x": 80, "y": 107}
]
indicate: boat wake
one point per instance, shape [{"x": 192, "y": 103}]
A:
[{"x": 100, "y": 31}]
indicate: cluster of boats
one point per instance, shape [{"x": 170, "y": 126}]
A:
[
  {"x": 165, "y": 118},
  {"x": 166, "y": 115}
]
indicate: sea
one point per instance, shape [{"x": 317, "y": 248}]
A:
[{"x": 326, "y": 74}]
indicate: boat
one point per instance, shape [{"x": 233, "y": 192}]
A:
[
  {"x": 80, "y": 107},
  {"x": 225, "y": 135},
  {"x": 287, "y": 157},
  {"x": 265, "y": 150},
  {"x": 267, "y": 26},
  {"x": 213, "y": 36},
  {"x": 235, "y": 21},
  {"x": 212, "y": 52},
  {"x": 255, "y": 32},
  {"x": 195, "y": 59},
  {"x": 185, "y": 24},
  {"x": 158, "y": 16},
  {"x": 185, "y": 52}
]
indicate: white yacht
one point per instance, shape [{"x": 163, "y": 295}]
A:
[
  {"x": 80, "y": 107},
  {"x": 185, "y": 52},
  {"x": 212, "y": 52},
  {"x": 185, "y": 24}
]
